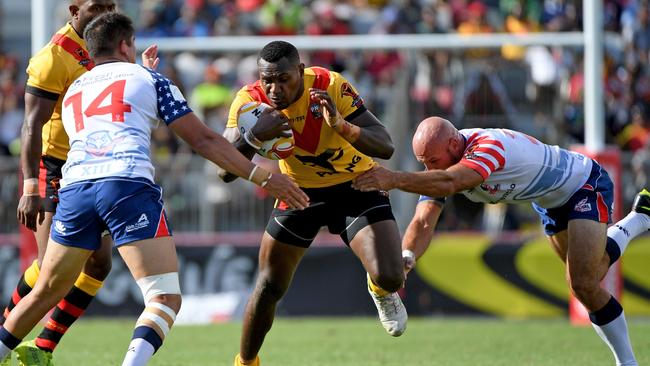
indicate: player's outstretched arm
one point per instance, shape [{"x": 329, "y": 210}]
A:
[
  {"x": 432, "y": 183},
  {"x": 420, "y": 231},
  {"x": 233, "y": 136},
  {"x": 38, "y": 111},
  {"x": 217, "y": 149}
]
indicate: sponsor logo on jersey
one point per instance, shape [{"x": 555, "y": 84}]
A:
[
  {"x": 353, "y": 163},
  {"x": 315, "y": 110},
  {"x": 583, "y": 206},
  {"x": 59, "y": 227},
  {"x": 508, "y": 191},
  {"x": 143, "y": 222},
  {"x": 347, "y": 91},
  {"x": 490, "y": 189}
]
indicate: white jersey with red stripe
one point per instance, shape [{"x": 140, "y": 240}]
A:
[
  {"x": 518, "y": 168},
  {"x": 108, "y": 114}
]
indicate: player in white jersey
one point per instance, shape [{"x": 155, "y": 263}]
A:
[
  {"x": 108, "y": 183},
  {"x": 571, "y": 193}
]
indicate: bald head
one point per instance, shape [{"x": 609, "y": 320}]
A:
[
  {"x": 437, "y": 143},
  {"x": 431, "y": 132}
]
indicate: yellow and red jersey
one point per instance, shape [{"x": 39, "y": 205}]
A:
[
  {"x": 50, "y": 72},
  {"x": 321, "y": 157}
]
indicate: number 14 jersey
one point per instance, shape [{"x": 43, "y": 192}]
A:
[{"x": 108, "y": 114}]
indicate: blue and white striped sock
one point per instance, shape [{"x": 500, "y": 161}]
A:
[{"x": 144, "y": 343}]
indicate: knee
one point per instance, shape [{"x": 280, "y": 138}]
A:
[
  {"x": 163, "y": 288},
  {"x": 172, "y": 301},
  {"x": 268, "y": 290},
  {"x": 48, "y": 291},
  {"x": 388, "y": 281},
  {"x": 98, "y": 267},
  {"x": 583, "y": 287}
]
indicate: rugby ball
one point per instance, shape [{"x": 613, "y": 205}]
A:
[{"x": 275, "y": 149}]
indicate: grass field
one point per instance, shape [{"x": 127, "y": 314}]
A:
[{"x": 362, "y": 341}]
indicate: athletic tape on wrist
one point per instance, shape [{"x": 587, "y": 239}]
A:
[
  {"x": 266, "y": 181},
  {"x": 406, "y": 253},
  {"x": 250, "y": 176},
  {"x": 30, "y": 187}
]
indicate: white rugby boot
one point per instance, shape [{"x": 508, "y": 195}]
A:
[{"x": 392, "y": 313}]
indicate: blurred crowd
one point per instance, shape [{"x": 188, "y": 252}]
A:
[{"x": 536, "y": 89}]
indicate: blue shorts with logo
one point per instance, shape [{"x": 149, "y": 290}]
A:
[
  {"x": 594, "y": 201},
  {"x": 130, "y": 208}
]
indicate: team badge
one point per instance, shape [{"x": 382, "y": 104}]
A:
[
  {"x": 469, "y": 153},
  {"x": 84, "y": 58}
]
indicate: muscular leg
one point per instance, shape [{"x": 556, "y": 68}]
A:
[
  {"x": 28, "y": 279},
  {"x": 587, "y": 263},
  {"x": 61, "y": 266},
  {"x": 378, "y": 248},
  {"x": 154, "y": 266},
  {"x": 277, "y": 264},
  {"x": 77, "y": 300}
]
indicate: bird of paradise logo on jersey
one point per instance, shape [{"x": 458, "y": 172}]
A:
[{"x": 348, "y": 91}]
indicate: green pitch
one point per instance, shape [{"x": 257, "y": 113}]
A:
[{"x": 362, "y": 341}]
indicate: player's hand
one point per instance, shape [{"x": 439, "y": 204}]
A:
[
  {"x": 327, "y": 105},
  {"x": 376, "y": 179},
  {"x": 30, "y": 211},
  {"x": 150, "y": 57},
  {"x": 271, "y": 124},
  {"x": 286, "y": 190}
]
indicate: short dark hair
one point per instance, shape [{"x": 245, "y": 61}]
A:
[
  {"x": 104, "y": 33},
  {"x": 277, "y": 50}
]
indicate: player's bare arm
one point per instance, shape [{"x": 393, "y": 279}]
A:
[
  {"x": 432, "y": 183},
  {"x": 419, "y": 232},
  {"x": 270, "y": 125},
  {"x": 37, "y": 112},
  {"x": 217, "y": 149},
  {"x": 365, "y": 132}
]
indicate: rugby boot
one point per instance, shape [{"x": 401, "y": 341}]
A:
[
  {"x": 392, "y": 313},
  {"x": 254, "y": 363},
  {"x": 30, "y": 355},
  {"x": 642, "y": 202}
]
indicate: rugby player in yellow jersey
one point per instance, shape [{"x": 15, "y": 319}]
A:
[
  {"x": 335, "y": 138},
  {"x": 44, "y": 147}
]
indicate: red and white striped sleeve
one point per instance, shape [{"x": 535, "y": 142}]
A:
[{"x": 484, "y": 154}]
